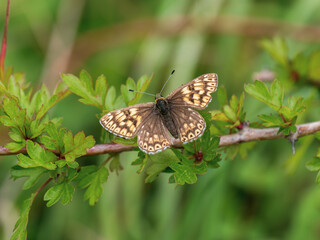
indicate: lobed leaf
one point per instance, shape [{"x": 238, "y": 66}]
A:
[
  {"x": 63, "y": 191},
  {"x": 271, "y": 120},
  {"x": 278, "y": 49},
  {"x": 33, "y": 175},
  {"x": 142, "y": 85},
  {"x": 259, "y": 90},
  {"x": 92, "y": 178},
  {"x": 158, "y": 163},
  {"x": 15, "y": 146},
  {"x": 15, "y": 116},
  {"x": 230, "y": 114},
  {"x": 313, "y": 164},
  {"x": 20, "y": 229},
  {"x": 101, "y": 88},
  {"x": 115, "y": 164},
  {"x": 38, "y": 157},
  {"x": 54, "y": 139},
  {"x": 110, "y": 99},
  {"x": 186, "y": 171},
  {"x": 76, "y": 146},
  {"x": 82, "y": 87}
]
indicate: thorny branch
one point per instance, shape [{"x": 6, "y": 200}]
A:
[{"x": 247, "y": 134}]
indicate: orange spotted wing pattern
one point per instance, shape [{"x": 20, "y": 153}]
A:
[{"x": 147, "y": 121}]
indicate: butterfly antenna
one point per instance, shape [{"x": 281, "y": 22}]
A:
[
  {"x": 142, "y": 92},
  {"x": 167, "y": 81}
]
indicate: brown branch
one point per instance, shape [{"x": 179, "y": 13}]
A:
[{"x": 247, "y": 134}]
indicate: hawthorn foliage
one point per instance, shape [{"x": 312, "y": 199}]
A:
[{"x": 52, "y": 152}]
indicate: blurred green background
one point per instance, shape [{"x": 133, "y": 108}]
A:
[{"x": 269, "y": 195}]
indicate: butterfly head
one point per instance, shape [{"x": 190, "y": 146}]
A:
[
  {"x": 161, "y": 104},
  {"x": 158, "y": 96}
]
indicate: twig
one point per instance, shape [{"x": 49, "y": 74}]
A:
[
  {"x": 42, "y": 186},
  {"x": 247, "y": 134}
]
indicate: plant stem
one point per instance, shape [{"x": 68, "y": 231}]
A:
[{"x": 247, "y": 134}]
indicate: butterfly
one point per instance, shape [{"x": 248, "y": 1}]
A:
[{"x": 154, "y": 122}]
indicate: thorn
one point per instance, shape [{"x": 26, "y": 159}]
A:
[
  {"x": 245, "y": 125},
  {"x": 293, "y": 147},
  {"x": 293, "y": 137}
]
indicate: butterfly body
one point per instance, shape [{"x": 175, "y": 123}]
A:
[
  {"x": 163, "y": 108},
  {"x": 154, "y": 122}
]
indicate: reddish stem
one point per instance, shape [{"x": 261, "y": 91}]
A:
[
  {"x": 42, "y": 186},
  {"x": 4, "y": 42}
]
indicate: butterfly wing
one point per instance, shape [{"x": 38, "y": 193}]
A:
[
  {"x": 126, "y": 122},
  {"x": 153, "y": 136},
  {"x": 189, "y": 122},
  {"x": 195, "y": 94}
]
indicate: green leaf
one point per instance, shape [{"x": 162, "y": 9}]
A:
[
  {"x": 115, "y": 164},
  {"x": 33, "y": 175},
  {"x": 277, "y": 92},
  {"x": 286, "y": 130},
  {"x": 271, "y": 120},
  {"x": 313, "y": 164},
  {"x": 295, "y": 107},
  {"x": 126, "y": 94},
  {"x": 15, "y": 146},
  {"x": 141, "y": 160},
  {"x": 54, "y": 139},
  {"x": 92, "y": 178},
  {"x": 63, "y": 190},
  {"x": 318, "y": 178},
  {"x": 76, "y": 146},
  {"x": 234, "y": 103},
  {"x": 101, "y": 88},
  {"x": 219, "y": 116},
  {"x": 3, "y": 88},
  {"x": 158, "y": 163},
  {"x": 300, "y": 63},
  {"x": 314, "y": 66},
  {"x": 278, "y": 49},
  {"x": 20, "y": 229},
  {"x": 86, "y": 80},
  {"x": 16, "y": 115},
  {"x": 110, "y": 99},
  {"x": 142, "y": 86},
  {"x": 38, "y": 157},
  {"x": 230, "y": 113},
  {"x": 186, "y": 171},
  {"x": 45, "y": 102},
  {"x": 130, "y": 142},
  {"x": 82, "y": 87},
  {"x": 16, "y": 136},
  {"x": 241, "y": 115},
  {"x": 259, "y": 90},
  {"x": 36, "y": 128}
]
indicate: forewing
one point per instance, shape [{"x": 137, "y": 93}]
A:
[
  {"x": 153, "y": 137},
  {"x": 126, "y": 122},
  {"x": 189, "y": 122},
  {"x": 196, "y": 94}
]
